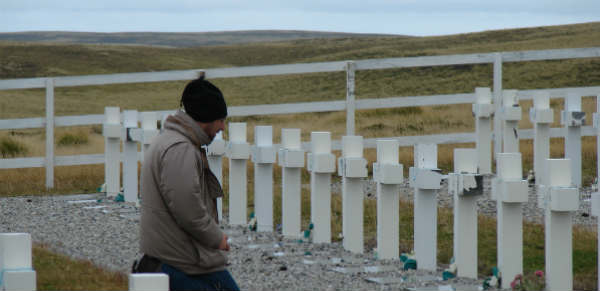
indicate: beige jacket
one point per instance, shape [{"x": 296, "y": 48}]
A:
[{"x": 178, "y": 200}]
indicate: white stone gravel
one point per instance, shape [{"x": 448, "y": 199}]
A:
[{"x": 106, "y": 233}]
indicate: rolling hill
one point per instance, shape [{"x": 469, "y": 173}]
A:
[{"x": 176, "y": 39}]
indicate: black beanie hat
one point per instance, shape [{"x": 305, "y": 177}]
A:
[{"x": 203, "y": 101}]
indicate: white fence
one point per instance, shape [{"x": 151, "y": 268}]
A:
[{"x": 349, "y": 105}]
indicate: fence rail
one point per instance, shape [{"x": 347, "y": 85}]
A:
[{"x": 349, "y": 105}]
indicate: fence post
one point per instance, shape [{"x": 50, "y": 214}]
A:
[
  {"x": 263, "y": 157},
  {"x": 111, "y": 130},
  {"x": 291, "y": 160},
  {"x": 49, "y": 133},
  {"x": 465, "y": 185},
  {"x": 596, "y": 121},
  {"x": 483, "y": 109},
  {"x": 497, "y": 103},
  {"x": 321, "y": 164},
  {"x": 238, "y": 153},
  {"x": 510, "y": 191},
  {"x": 541, "y": 115},
  {"x": 352, "y": 167},
  {"x": 215, "y": 151},
  {"x": 388, "y": 174},
  {"x": 559, "y": 199},
  {"x": 573, "y": 118},
  {"x": 511, "y": 114},
  {"x": 130, "y": 156},
  {"x": 16, "y": 273},
  {"x": 596, "y": 212},
  {"x": 425, "y": 178},
  {"x": 350, "y": 97}
]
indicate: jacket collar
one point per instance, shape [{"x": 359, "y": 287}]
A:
[{"x": 188, "y": 127}]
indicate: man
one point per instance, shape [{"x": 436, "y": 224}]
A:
[{"x": 179, "y": 228}]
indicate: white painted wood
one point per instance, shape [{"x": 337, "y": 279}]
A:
[
  {"x": 237, "y": 132},
  {"x": 555, "y": 54},
  {"x": 483, "y": 129},
  {"x": 558, "y": 229},
  {"x": 511, "y": 115},
  {"x": 238, "y": 191},
  {"x": 77, "y": 160},
  {"x": 19, "y": 280},
  {"x": 50, "y": 133},
  {"x": 90, "y": 119},
  {"x": 149, "y": 127},
  {"x": 263, "y": 181},
  {"x": 596, "y": 119},
  {"x": 15, "y": 251},
  {"x": 130, "y": 159},
  {"x": 26, "y": 83},
  {"x": 112, "y": 150},
  {"x": 320, "y": 189},
  {"x": 388, "y": 201},
  {"x": 215, "y": 163},
  {"x": 141, "y": 77},
  {"x": 286, "y": 108},
  {"x": 509, "y": 219},
  {"x": 425, "y": 211},
  {"x": 291, "y": 200},
  {"x": 541, "y": 140},
  {"x": 352, "y": 198},
  {"x": 16, "y": 262},
  {"x": 573, "y": 135},
  {"x": 285, "y": 69},
  {"x": 350, "y": 98},
  {"x": 17, "y": 163},
  {"x": 290, "y": 186},
  {"x": 22, "y": 123},
  {"x": 498, "y": 132},
  {"x": 148, "y": 282},
  {"x": 425, "y": 61},
  {"x": 596, "y": 212},
  {"x": 465, "y": 217}
]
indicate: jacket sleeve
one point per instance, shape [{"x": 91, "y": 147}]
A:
[{"x": 182, "y": 192}]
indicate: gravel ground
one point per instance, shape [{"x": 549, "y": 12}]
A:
[{"x": 106, "y": 233}]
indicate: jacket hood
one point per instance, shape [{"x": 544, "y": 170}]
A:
[{"x": 184, "y": 124}]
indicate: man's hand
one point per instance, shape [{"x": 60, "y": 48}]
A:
[{"x": 224, "y": 246}]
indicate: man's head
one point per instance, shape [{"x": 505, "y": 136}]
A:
[{"x": 204, "y": 102}]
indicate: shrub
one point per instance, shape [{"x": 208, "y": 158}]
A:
[
  {"x": 70, "y": 139},
  {"x": 12, "y": 148}
]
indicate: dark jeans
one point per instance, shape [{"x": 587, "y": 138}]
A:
[{"x": 178, "y": 280}]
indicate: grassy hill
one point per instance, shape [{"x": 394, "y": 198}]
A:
[{"x": 175, "y": 39}]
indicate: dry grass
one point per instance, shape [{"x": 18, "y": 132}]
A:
[{"x": 57, "y": 272}]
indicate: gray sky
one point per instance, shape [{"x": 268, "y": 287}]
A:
[{"x": 410, "y": 17}]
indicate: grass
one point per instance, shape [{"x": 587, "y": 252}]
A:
[
  {"x": 10, "y": 148},
  {"x": 58, "y": 272},
  {"x": 26, "y": 60}
]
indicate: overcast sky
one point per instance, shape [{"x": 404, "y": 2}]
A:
[{"x": 409, "y": 17}]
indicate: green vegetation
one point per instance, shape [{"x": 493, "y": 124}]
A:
[
  {"x": 58, "y": 272},
  {"x": 10, "y": 148},
  {"x": 73, "y": 138}
]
